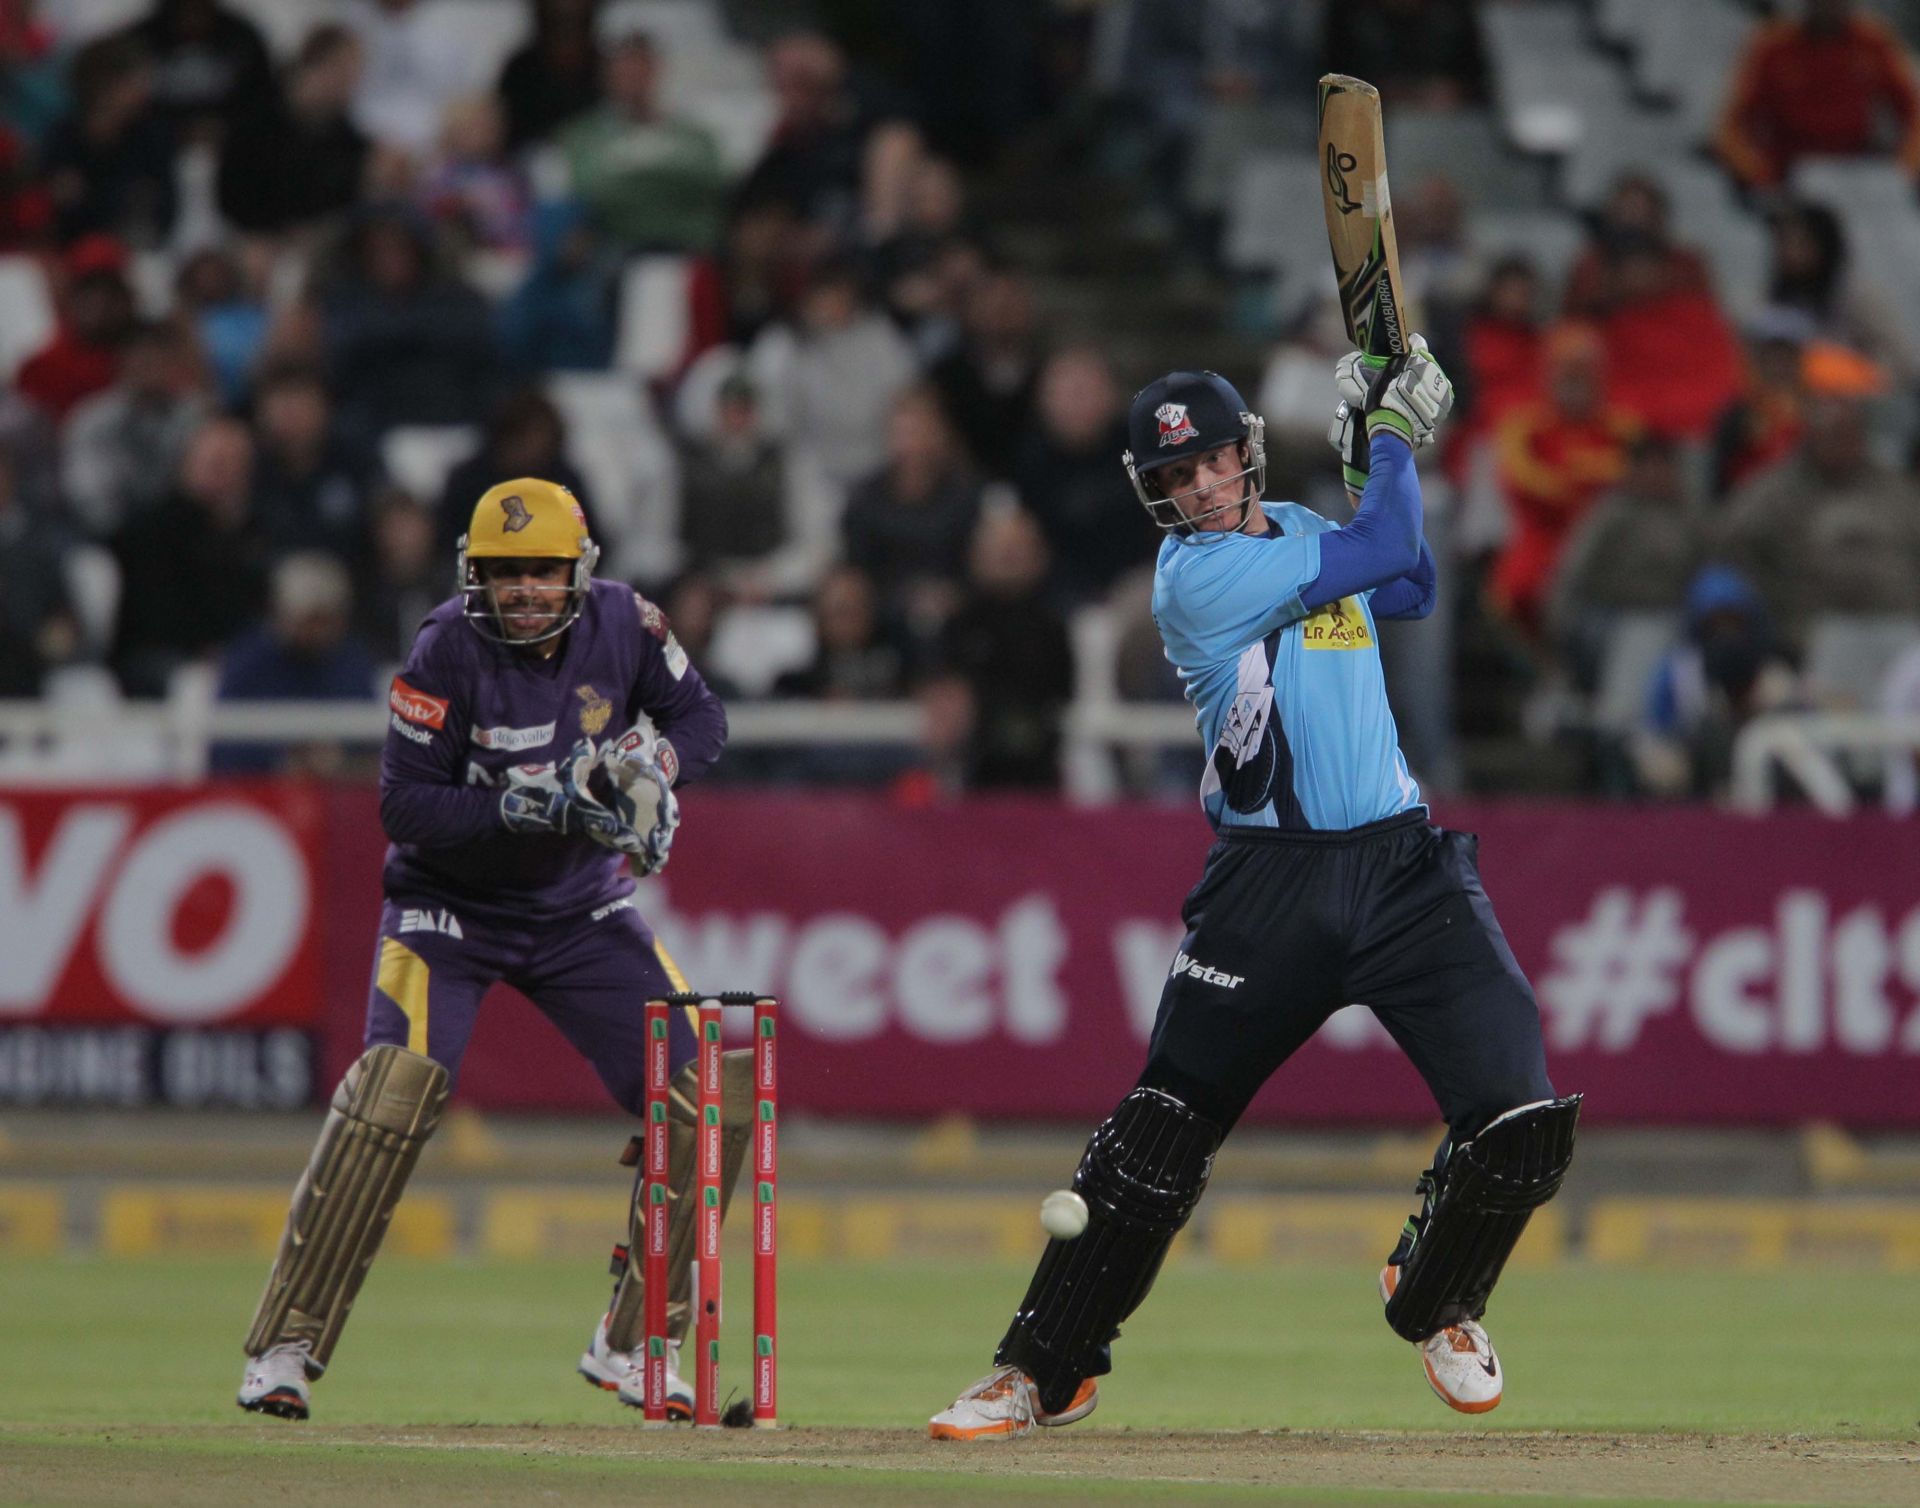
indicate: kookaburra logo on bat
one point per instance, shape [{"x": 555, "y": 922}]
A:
[{"x": 1339, "y": 164}]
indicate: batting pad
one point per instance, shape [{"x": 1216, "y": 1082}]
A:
[
  {"x": 1489, "y": 1188},
  {"x": 1143, "y": 1172},
  {"x": 382, "y": 1114}
]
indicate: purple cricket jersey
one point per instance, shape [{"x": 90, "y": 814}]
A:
[{"x": 465, "y": 710}]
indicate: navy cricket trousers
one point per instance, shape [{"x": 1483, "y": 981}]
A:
[{"x": 1285, "y": 928}]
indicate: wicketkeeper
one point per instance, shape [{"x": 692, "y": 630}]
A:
[
  {"x": 1327, "y": 885},
  {"x": 535, "y": 740}
]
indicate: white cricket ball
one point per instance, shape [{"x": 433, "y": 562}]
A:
[{"x": 1064, "y": 1214}]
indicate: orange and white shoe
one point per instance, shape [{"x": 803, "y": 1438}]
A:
[
  {"x": 1460, "y": 1363},
  {"x": 1004, "y": 1405}
]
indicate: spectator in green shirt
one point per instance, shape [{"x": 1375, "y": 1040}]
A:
[{"x": 652, "y": 182}]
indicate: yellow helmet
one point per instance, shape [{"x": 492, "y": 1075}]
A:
[{"x": 525, "y": 519}]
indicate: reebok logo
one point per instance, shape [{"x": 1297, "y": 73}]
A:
[
  {"x": 407, "y": 730},
  {"x": 420, "y": 920},
  {"x": 1205, "y": 973}
]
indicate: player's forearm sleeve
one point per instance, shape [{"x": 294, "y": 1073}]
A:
[
  {"x": 1412, "y": 595},
  {"x": 438, "y": 816},
  {"x": 1382, "y": 543}
]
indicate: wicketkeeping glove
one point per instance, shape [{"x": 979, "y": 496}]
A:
[
  {"x": 555, "y": 801},
  {"x": 638, "y": 771},
  {"x": 1407, "y": 395}
]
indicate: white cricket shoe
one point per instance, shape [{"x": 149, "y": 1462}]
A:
[
  {"x": 625, "y": 1373},
  {"x": 1004, "y": 1405},
  {"x": 1460, "y": 1363},
  {"x": 276, "y": 1383}
]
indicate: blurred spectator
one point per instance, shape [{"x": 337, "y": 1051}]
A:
[
  {"x": 1068, "y": 474},
  {"x": 33, "y": 72},
  {"x": 1635, "y": 551},
  {"x": 1830, "y": 529},
  {"x": 1813, "y": 273},
  {"x": 210, "y": 64},
  {"x": 733, "y": 487},
  {"x": 1294, "y": 400},
  {"x": 471, "y": 188},
  {"x": 693, "y": 603},
  {"x": 764, "y": 265},
  {"x": 193, "y": 570},
  {"x": 554, "y": 74},
  {"x": 96, "y": 313},
  {"x": 230, "y": 322},
  {"x": 830, "y": 379},
  {"x": 298, "y": 158},
  {"x": 652, "y": 182},
  {"x": 406, "y": 576},
  {"x": 928, "y": 294},
  {"x": 38, "y": 627},
  {"x": 987, "y": 384},
  {"x": 313, "y": 485},
  {"x": 1011, "y": 645},
  {"x": 1761, "y": 427},
  {"x": 1443, "y": 272},
  {"x": 909, "y": 526},
  {"x": 33, "y": 453},
  {"x": 946, "y": 732},
  {"x": 1784, "y": 103},
  {"x": 109, "y": 162},
  {"x": 853, "y": 659},
  {"x": 563, "y": 317},
  {"x": 406, "y": 341},
  {"x": 306, "y": 651},
  {"x": 1728, "y": 671},
  {"x": 418, "y": 63},
  {"x": 1556, "y": 455},
  {"x": 932, "y": 212},
  {"x": 814, "y": 163},
  {"x": 1499, "y": 362},
  {"x": 121, "y": 446},
  {"x": 26, "y": 208},
  {"x": 525, "y": 437},
  {"x": 1900, "y": 698},
  {"x": 1422, "y": 53},
  {"x": 1671, "y": 357}
]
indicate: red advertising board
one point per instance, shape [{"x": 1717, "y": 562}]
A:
[
  {"x": 159, "y": 944},
  {"x": 1003, "y": 958}
]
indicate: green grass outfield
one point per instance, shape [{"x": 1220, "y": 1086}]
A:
[{"x": 455, "y": 1383}]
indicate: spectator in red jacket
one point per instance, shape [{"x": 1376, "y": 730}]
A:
[
  {"x": 1830, "y": 84},
  {"x": 96, "y": 314},
  {"x": 1557, "y": 454},
  {"x": 1500, "y": 348}
]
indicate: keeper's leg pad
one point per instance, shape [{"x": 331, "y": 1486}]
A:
[
  {"x": 386, "y": 1107},
  {"x": 1142, "y": 1174},
  {"x": 626, "y": 1319},
  {"x": 1485, "y": 1193}
]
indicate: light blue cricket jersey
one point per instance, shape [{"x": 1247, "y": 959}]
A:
[{"x": 1292, "y": 705}]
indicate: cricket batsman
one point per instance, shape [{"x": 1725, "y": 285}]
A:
[
  {"x": 536, "y": 736},
  {"x": 1327, "y": 884}
]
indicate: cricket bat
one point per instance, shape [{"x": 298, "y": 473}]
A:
[{"x": 1353, "y": 190}]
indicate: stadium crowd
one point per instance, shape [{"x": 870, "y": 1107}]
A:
[{"x": 302, "y": 304}]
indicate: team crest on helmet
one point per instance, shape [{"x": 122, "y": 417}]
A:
[
  {"x": 1175, "y": 426},
  {"x": 595, "y": 709},
  {"x": 517, "y": 515}
]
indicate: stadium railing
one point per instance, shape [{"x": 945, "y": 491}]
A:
[{"x": 1823, "y": 753}]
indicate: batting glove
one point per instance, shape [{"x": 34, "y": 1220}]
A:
[{"x": 1407, "y": 395}]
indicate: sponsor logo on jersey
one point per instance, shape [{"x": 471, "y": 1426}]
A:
[
  {"x": 625, "y": 903},
  {"x": 676, "y": 657},
  {"x": 515, "y": 507},
  {"x": 595, "y": 709},
  {"x": 512, "y": 740},
  {"x": 1338, "y": 625},
  {"x": 407, "y": 729},
  {"x": 417, "y": 706},
  {"x": 1205, "y": 973},
  {"x": 443, "y": 922},
  {"x": 1175, "y": 426}
]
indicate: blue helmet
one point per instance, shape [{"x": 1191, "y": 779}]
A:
[{"x": 1187, "y": 414}]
